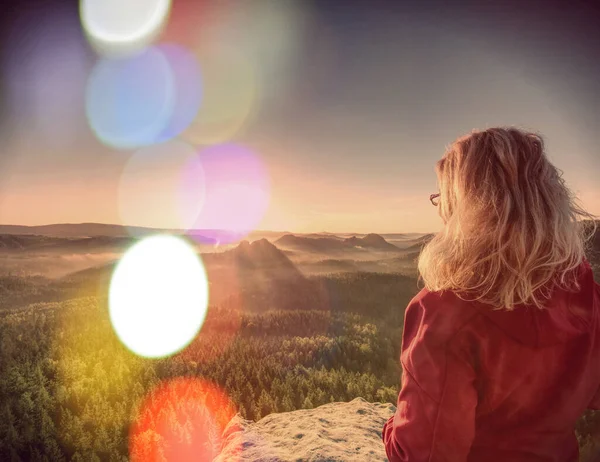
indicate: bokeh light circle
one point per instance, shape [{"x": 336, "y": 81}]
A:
[
  {"x": 162, "y": 183},
  {"x": 237, "y": 193},
  {"x": 118, "y": 27},
  {"x": 130, "y": 101},
  {"x": 270, "y": 35},
  {"x": 188, "y": 89},
  {"x": 229, "y": 98},
  {"x": 158, "y": 296},
  {"x": 197, "y": 406}
]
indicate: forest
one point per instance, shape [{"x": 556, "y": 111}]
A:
[{"x": 69, "y": 389}]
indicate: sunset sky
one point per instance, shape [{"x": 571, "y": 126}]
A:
[{"x": 352, "y": 104}]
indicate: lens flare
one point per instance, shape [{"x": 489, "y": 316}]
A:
[
  {"x": 237, "y": 193},
  {"x": 158, "y": 296},
  {"x": 182, "y": 420},
  {"x": 119, "y": 27},
  {"x": 130, "y": 102},
  {"x": 164, "y": 184},
  {"x": 270, "y": 35},
  {"x": 187, "y": 20},
  {"x": 230, "y": 94},
  {"x": 188, "y": 89}
]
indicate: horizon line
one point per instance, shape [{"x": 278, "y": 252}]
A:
[{"x": 212, "y": 229}]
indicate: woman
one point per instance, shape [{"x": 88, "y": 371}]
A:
[{"x": 501, "y": 349}]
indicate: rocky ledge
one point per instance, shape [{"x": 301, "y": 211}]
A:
[{"x": 332, "y": 432}]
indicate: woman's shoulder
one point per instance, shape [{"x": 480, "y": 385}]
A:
[{"x": 439, "y": 315}]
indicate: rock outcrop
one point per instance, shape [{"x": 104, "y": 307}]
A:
[{"x": 333, "y": 432}]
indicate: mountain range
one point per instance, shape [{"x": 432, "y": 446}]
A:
[
  {"x": 43, "y": 243},
  {"x": 331, "y": 244},
  {"x": 252, "y": 276},
  {"x": 81, "y": 230}
]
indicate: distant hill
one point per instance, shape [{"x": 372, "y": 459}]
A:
[
  {"x": 97, "y": 242},
  {"x": 260, "y": 254},
  {"x": 18, "y": 242},
  {"x": 33, "y": 242},
  {"x": 401, "y": 236},
  {"x": 113, "y": 230},
  {"x": 77, "y": 230},
  {"x": 253, "y": 276},
  {"x": 330, "y": 244},
  {"x": 99, "y": 229},
  {"x": 256, "y": 255},
  {"x": 322, "y": 244},
  {"x": 322, "y": 235},
  {"x": 412, "y": 256},
  {"x": 259, "y": 234},
  {"x": 372, "y": 241},
  {"x": 420, "y": 243}
]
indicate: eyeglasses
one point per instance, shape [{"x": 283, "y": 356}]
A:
[{"x": 435, "y": 199}]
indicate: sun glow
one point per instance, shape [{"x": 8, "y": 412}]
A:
[{"x": 158, "y": 296}]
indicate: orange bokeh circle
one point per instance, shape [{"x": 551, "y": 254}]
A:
[{"x": 181, "y": 419}]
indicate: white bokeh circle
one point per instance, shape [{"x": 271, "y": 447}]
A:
[{"x": 158, "y": 296}]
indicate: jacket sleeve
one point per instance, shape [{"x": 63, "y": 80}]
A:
[
  {"x": 435, "y": 414},
  {"x": 595, "y": 403}
]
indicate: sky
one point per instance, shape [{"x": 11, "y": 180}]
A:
[{"x": 346, "y": 105}]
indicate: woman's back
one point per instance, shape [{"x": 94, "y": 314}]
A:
[
  {"x": 483, "y": 385},
  {"x": 540, "y": 370}
]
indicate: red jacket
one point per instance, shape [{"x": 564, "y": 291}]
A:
[{"x": 483, "y": 385}]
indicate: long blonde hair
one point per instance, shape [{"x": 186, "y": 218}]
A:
[{"x": 511, "y": 232}]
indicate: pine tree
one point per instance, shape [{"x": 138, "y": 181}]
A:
[
  {"x": 307, "y": 404},
  {"x": 255, "y": 412},
  {"x": 286, "y": 404},
  {"x": 265, "y": 403},
  {"x": 242, "y": 411}
]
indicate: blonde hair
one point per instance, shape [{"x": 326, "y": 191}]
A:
[{"x": 511, "y": 231}]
